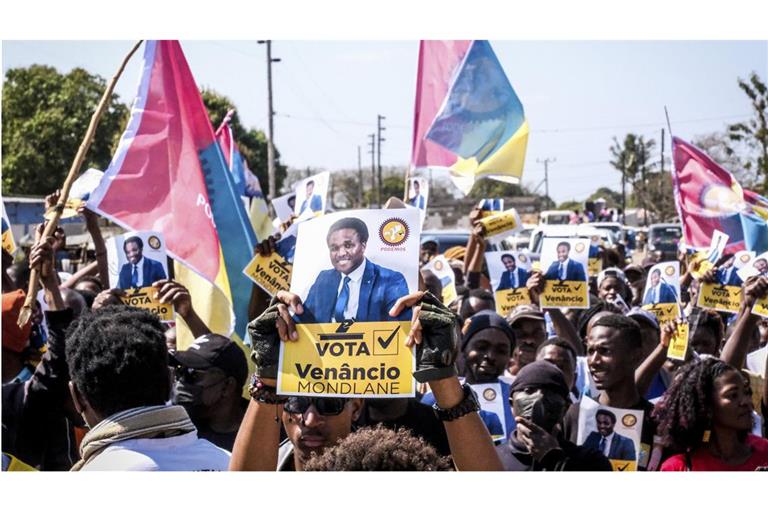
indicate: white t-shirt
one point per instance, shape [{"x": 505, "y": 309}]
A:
[{"x": 179, "y": 453}]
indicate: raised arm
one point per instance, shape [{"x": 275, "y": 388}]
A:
[
  {"x": 563, "y": 327},
  {"x": 735, "y": 349},
  {"x": 172, "y": 292},
  {"x": 653, "y": 364},
  {"x": 92, "y": 223}
]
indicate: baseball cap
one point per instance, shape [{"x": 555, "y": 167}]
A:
[
  {"x": 642, "y": 316},
  {"x": 522, "y": 311},
  {"x": 610, "y": 272},
  {"x": 634, "y": 272},
  {"x": 214, "y": 351},
  {"x": 15, "y": 338},
  {"x": 486, "y": 319}
]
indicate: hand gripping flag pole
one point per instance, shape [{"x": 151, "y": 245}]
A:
[{"x": 29, "y": 302}]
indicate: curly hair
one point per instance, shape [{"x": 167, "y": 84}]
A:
[
  {"x": 684, "y": 412},
  {"x": 118, "y": 359},
  {"x": 380, "y": 449}
]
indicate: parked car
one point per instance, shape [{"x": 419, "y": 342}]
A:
[
  {"x": 664, "y": 240},
  {"x": 446, "y": 239}
]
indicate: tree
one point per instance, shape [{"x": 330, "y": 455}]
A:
[
  {"x": 252, "y": 142},
  {"x": 753, "y": 134},
  {"x": 632, "y": 159},
  {"x": 45, "y": 116},
  {"x": 718, "y": 146}
]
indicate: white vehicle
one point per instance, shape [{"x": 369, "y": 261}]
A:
[
  {"x": 567, "y": 231},
  {"x": 555, "y": 217}
]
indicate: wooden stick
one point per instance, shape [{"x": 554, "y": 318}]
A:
[{"x": 50, "y": 227}]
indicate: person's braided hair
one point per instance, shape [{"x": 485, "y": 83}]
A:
[
  {"x": 118, "y": 359},
  {"x": 684, "y": 412},
  {"x": 380, "y": 449}
]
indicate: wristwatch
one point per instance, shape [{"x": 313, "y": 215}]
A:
[
  {"x": 264, "y": 393},
  {"x": 467, "y": 405}
]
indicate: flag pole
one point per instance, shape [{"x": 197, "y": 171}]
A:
[
  {"x": 669, "y": 126},
  {"x": 50, "y": 226}
]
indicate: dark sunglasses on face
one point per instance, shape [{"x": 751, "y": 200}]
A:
[
  {"x": 189, "y": 374},
  {"x": 326, "y": 406}
]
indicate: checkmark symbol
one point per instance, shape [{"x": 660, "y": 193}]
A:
[
  {"x": 577, "y": 288},
  {"x": 385, "y": 343}
]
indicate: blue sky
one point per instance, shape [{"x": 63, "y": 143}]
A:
[{"x": 577, "y": 95}]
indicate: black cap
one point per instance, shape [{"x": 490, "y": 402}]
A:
[
  {"x": 487, "y": 319},
  {"x": 540, "y": 374},
  {"x": 215, "y": 351}
]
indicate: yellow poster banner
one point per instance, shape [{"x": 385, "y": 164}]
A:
[
  {"x": 664, "y": 312},
  {"x": 367, "y": 359},
  {"x": 595, "y": 266},
  {"x": 144, "y": 298},
  {"x": 9, "y": 244},
  {"x": 623, "y": 465},
  {"x": 761, "y": 307},
  {"x": 272, "y": 273},
  {"x": 507, "y": 300},
  {"x": 500, "y": 223},
  {"x": 678, "y": 345},
  {"x": 565, "y": 294},
  {"x": 720, "y": 298}
]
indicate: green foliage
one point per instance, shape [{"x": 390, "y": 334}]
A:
[
  {"x": 753, "y": 134},
  {"x": 45, "y": 117},
  {"x": 252, "y": 142}
]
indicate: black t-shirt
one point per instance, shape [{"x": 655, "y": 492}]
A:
[
  {"x": 224, "y": 440},
  {"x": 420, "y": 419},
  {"x": 571, "y": 424}
]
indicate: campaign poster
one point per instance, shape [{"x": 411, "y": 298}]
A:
[
  {"x": 272, "y": 273},
  {"x": 350, "y": 268},
  {"x": 79, "y": 193},
  {"x": 490, "y": 206},
  {"x": 662, "y": 291},
  {"x": 312, "y": 196},
  {"x": 135, "y": 260},
  {"x": 284, "y": 206},
  {"x": 501, "y": 224},
  {"x": 595, "y": 261},
  {"x": 757, "y": 266},
  {"x": 442, "y": 269},
  {"x": 678, "y": 345},
  {"x": 418, "y": 196},
  {"x": 509, "y": 272},
  {"x": 614, "y": 432},
  {"x": 491, "y": 399},
  {"x": 756, "y": 360},
  {"x": 707, "y": 259},
  {"x": 564, "y": 262}
]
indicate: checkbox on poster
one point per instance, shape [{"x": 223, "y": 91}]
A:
[{"x": 386, "y": 343}]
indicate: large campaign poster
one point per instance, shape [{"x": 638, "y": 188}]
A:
[
  {"x": 349, "y": 270},
  {"x": 613, "y": 431},
  {"x": 564, "y": 262},
  {"x": 509, "y": 272},
  {"x": 135, "y": 260}
]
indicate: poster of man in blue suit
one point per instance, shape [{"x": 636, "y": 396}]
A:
[
  {"x": 311, "y": 196},
  {"x": 137, "y": 269},
  {"x": 357, "y": 288},
  {"x": 658, "y": 291},
  {"x": 513, "y": 276},
  {"x": 566, "y": 268},
  {"x": 607, "y": 441}
]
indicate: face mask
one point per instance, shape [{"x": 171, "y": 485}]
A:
[
  {"x": 188, "y": 394},
  {"x": 544, "y": 409}
]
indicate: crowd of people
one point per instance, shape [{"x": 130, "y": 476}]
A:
[{"x": 93, "y": 384}]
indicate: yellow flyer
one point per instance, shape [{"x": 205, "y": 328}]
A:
[
  {"x": 502, "y": 223},
  {"x": 144, "y": 298},
  {"x": 507, "y": 300},
  {"x": 664, "y": 312},
  {"x": 272, "y": 273},
  {"x": 720, "y": 298},
  {"x": 367, "y": 359},
  {"x": 565, "y": 294},
  {"x": 761, "y": 308},
  {"x": 678, "y": 345},
  {"x": 595, "y": 266}
]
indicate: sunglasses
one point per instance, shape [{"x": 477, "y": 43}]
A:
[
  {"x": 190, "y": 375},
  {"x": 326, "y": 406}
]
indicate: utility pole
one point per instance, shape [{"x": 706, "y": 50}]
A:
[
  {"x": 642, "y": 177},
  {"x": 270, "y": 125},
  {"x": 359, "y": 179},
  {"x": 379, "y": 119},
  {"x": 373, "y": 164},
  {"x": 546, "y": 162}
]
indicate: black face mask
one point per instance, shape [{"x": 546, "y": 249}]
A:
[
  {"x": 188, "y": 395},
  {"x": 543, "y": 408}
]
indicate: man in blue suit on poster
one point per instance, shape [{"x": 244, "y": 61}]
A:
[
  {"x": 565, "y": 269},
  {"x": 140, "y": 271},
  {"x": 605, "y": 440},
  {"x": 313, "y": 201},
  {"x": 726, "y": 274},
  {"x": 355, "y": 288},
  {"x": 417, "y": 199},
  {"x": 659, "y": 292},
  {"x": 513, "y": 277}
]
